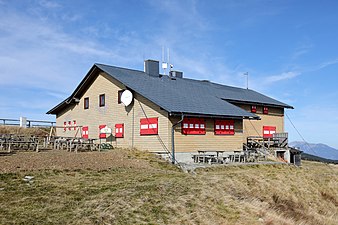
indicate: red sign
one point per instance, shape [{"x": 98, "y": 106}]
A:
[{"x": 102, "y": 135}]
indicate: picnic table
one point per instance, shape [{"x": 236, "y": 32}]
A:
[
  {"x": 75, "y": 144},
  {"x": 22, "y": 142}
]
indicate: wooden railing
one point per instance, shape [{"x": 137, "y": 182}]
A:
[{"x": 30, "y": 123}]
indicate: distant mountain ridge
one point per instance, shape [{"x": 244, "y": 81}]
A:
[
  {"x": 320, "y": 150},
  {"x": 310, "y": 157}
]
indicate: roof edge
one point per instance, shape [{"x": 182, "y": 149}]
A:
[
  {"x": 58, "y": 107},
  {"x": 68, "y": 100},
  {"x": 213, "y": 115},
  {"x": 283, "y": 105}
]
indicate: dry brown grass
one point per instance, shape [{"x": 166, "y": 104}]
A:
[
  {"x": 38, "y": 131},
  {"x": 159, "y": 193}
]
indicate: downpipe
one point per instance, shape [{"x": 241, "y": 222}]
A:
[{"x": 173, "y": 139}]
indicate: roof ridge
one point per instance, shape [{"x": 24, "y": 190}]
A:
[
  {"x": 118, "y": 67},
  {"x": 212, "y": 82},
  {"x": 184, "y": 78}
]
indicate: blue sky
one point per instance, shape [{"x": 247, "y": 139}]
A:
[{"x": 289, "y": 49}]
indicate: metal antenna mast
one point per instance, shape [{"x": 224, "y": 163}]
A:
[
  {"x": 247, "y": 79},
  {"x": 168, "y": 51}
]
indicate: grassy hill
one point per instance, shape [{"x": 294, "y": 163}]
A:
[{"x": 132, "y": 187}]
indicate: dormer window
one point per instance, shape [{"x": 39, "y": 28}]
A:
[
  {"x": 253, "y": 109},
  {"x": 265, "y": 110}
]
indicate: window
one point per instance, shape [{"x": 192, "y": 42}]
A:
[
  {"x": 193, "y": 126},
  {"x": 102, "y": 100},
  {"x": 119, "y": 130},
  {"x": 119, "y": 94},
  {"x": 268, "y": 131},
  {"x": 224, "y": 127},
  {"x": 86, "y": 103},
  {"x": 64, "y": 126},
  {"x": 85, "y": 132},
  {"x": 102, "y": 135},
  {"x": 253, "y": 109},
  {"x": 69, "y": 125},
  {"x": 74, "y": 124},
  {"x": 148, "y": 126},
  {"x": 265, "y": 110}
]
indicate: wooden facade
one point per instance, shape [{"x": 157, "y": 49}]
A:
[
  {"x": 275, "y": 118},
  {"x": 113, "y": 113}
]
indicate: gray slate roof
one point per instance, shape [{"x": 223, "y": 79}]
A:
[
  {"x": 183, "y": 95},
  {"x": 187, "y": 95}
]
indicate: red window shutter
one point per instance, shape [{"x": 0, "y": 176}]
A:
[
  {"x": 231, "y": 129},
  {"x": 64, "y": 126},
  {"x": 74, "y": 124},
  {"x": 193, "y": 126},
  {"x": 119, "y": 130},
  {"x": 85, "y": 132},
  {"x": 268, "y": 131},
  {"x": 102, "y": 136},
  {"x": 265, "y": 110},
  {"x": 148, "y": 126},
  {"x": 253, "y": 109},
  {"x": 69, "y": 125},
  {"x": 223, "y": 127}
]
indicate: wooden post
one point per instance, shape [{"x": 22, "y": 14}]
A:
[{"x": 9, "y": 147}]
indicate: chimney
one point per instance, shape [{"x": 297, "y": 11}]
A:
[
  {"x": 151, "y": 67},
  {"x": 176, "y": 74}
]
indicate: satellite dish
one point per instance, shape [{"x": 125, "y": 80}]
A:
[{"x": 126, "y": 97}]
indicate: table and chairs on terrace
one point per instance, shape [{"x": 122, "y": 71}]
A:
[{"x": 220, "y": 157}]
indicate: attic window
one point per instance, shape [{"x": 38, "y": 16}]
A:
[
  {"x": 193, "y": 126},
  {"x": 86, "y": 103},
  {"x": 119, "y": 94},
  {"x": 102, "y": 100},
  {"x": 265, "y": 110},
  {"x": 253, "y": 109}
]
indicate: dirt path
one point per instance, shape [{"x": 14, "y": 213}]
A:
[{"x": 63, "y": 160}]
